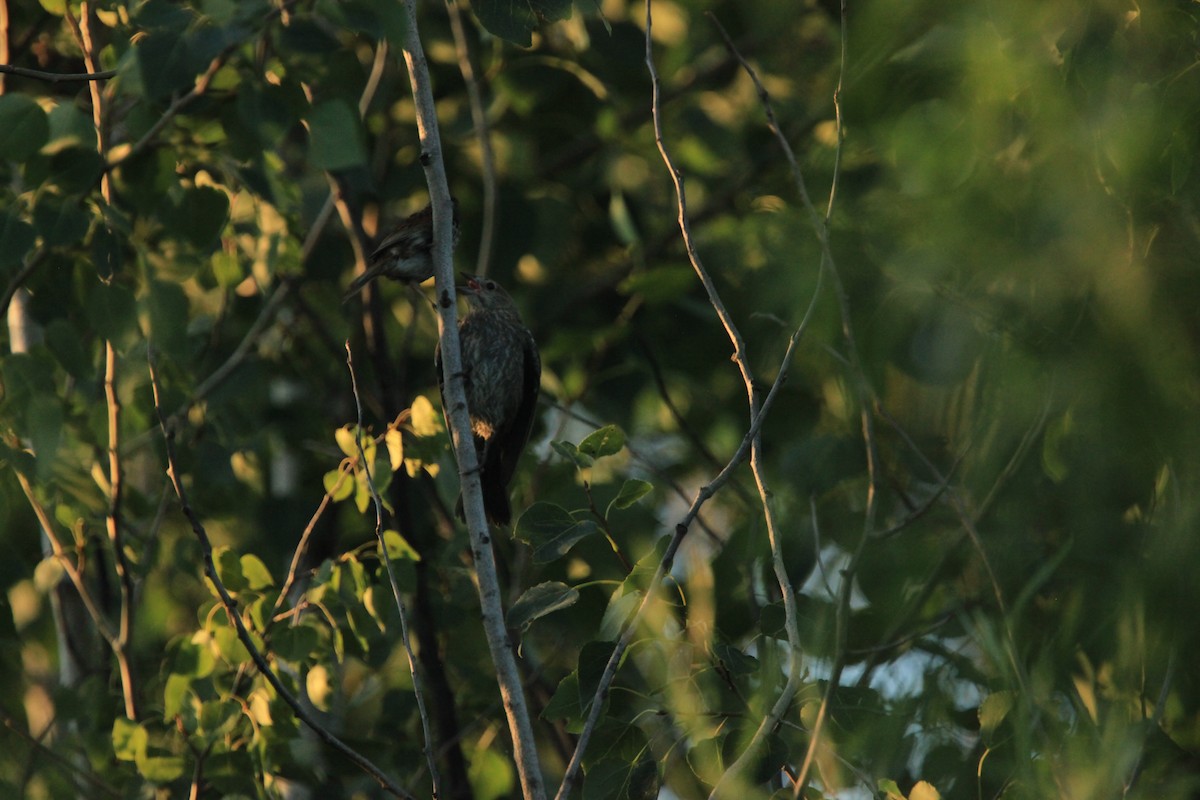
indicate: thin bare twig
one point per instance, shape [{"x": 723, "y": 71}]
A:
[
  {"x": 413, "y": 666},
  {"x": 508, "y": 675},
  {"x": 42, "y": 749},
  {"x": 121, "y": 645},
  {"x": 231, "y": 607},
  {"x": 302, "y": 545},
  {"x": 56, "y": 77},
  {"x": 862, "y": 393},
  {"x": 751, "y": 443},
  {"x": 69, "y": 566}
]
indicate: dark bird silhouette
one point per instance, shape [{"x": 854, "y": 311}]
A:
[
  {"x": 405, "y": 254},
  {"x": 502, "y": 372}
]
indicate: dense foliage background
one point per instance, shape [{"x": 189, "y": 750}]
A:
[{"x": 1017, "y": 231}]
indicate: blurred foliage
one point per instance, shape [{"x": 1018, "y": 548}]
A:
[{"x": 1017, "y": 227}]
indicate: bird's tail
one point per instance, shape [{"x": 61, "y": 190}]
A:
[{"x": 495, "y": 503}]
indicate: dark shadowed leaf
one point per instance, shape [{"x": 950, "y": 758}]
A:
[
  {"x": 167, "y": 310},
  {"x": 162, "y": 59},
  {"x": 515, "y": 21},
  {"x": 23, "y": 127},
  {"x": 551, "y": 530},
  {"x": 16, "y": 237},
  {"x": 335, "y": 136},
  {"x": 540, "y": 600},
  {"x": 112, "y": 311},
  {"x": 632, "y": 490},
  {"x": 619, "y": 779}
]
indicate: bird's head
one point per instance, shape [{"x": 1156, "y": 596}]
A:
[{"x": 484, "y": 294}]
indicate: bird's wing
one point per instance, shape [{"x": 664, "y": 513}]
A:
[{"x": 515, "y": 437}]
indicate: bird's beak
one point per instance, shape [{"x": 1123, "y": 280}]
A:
[{"x": 470, "y": 283}]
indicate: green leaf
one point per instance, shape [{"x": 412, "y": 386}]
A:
[
  {"x": 74, "y": 170},
  {"x": 1055, "y": 448},
  {"x": 229, "y": 569},
  {"x": 194, "y": 658},
  {"x": 59, "y": 224},
  {"x": 398, "y": 547},
  {"x": 891, "y": 790},
  {"x": 425, "y": 421},
  {"x": 167, "y": 307},
  {"x": 16, "y": 236},
  {"x": 335, "y": 137},
  {"x": 571, "y": 453},
  {"x": 160, "y": 769},
  {"x": 632, "y": 490},
  {"x": 24, "y": 127},
  {"x": 200, "y": 216},
  {"x": 516, "y": 21},
  {"x": 394, "y": 441},
  {"x": 564, "y": 704},
  {"x": 112, "y": 311},
  {"x": 606, "y": 441},
  {"x": 620, "y": 608},
  {"x": 660, "y": 284},
  {"x": 107, "y": 253},
  {"x": 69, "y": 126},
  {"x": 540, "y": 600},
  {"x": 491, "y": 773},
  {"x": 66, "y": 343},
  {"x": 993, "y": 710},
  {"x": 620, "y": 779},
  {"x": 338, "y": 484},
  {"x": 295, "y": 643},
  {"x": 593, "y": 659},
  {"x": 44, "y": 419},
  {"x": 734, "y": 660},
  {"x": 176, "y": 692},
  {"x": 129, "y": 739},
  {"x": 255, "y": 572},
  {"x": 163, "y": 63},
  {"x": 551, "y": 531}
]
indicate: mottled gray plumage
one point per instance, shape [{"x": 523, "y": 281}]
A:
[
  {"x": 405, "y": 254},
  {"x": 502, "y": 372}
]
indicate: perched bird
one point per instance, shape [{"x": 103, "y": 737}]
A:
[
  {"x": 405, "y": 254},
  {"x": 502, "y": 372}
]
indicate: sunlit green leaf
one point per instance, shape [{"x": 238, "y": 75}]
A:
[
  {"x": 398, "y": 547},
  {"x": 129, "y": 739},
  {"x": 339, "y": 484},
  {"x": 229, "y": 569},
  {"x": 255, "y": 572},
  {"x": 160, "y": 769},
  {"x": 606, "y": 441}
]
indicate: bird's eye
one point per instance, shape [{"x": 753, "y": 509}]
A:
[{"x": 490, "y": 286}]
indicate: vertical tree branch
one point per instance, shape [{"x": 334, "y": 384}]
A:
[
  {"x": 507, "y": 674},
  {"x": 122, "y": 643},
  {"x": 3, "y": 39}
]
